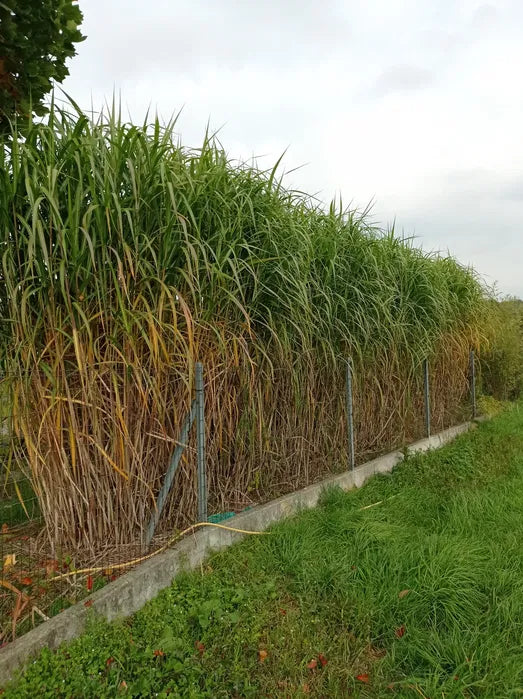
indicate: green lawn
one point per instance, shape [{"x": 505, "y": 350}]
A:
[{"x": 419, "y": 596}]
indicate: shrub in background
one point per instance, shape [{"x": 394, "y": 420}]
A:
[{"x": 502, "y": 360}]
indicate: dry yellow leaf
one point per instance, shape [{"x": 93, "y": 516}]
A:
[{"x": 9, "y": 561}]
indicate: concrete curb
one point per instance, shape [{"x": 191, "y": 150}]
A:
[{"x": 129, "y": 593}]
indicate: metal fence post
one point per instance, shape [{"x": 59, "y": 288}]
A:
[
  {"x": 473, "y": 384},
  {"x": 427, "y": 396},
  {"x": 171, "y": 472},
  {"x": 350, "y": 419},
  {"x": 200, "y": 440}
]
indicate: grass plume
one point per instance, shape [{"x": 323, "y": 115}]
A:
[{"x": 126, "y": 258}]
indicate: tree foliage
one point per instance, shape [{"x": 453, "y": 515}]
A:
[{"x": 36, "y": 39}]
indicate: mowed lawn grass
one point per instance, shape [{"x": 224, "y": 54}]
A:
[{"x": 418, "y": 596}]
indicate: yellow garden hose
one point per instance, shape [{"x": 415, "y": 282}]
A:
[
  {"x": 88, "y": 571},
  {"x": 135, "y": 561}
]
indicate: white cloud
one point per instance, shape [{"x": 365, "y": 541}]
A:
[
  {"x": 414, "y": 103},
  {"x": 403, "y": 78}
]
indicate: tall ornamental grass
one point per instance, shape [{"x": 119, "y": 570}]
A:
[{"x": 126, "y": 258}]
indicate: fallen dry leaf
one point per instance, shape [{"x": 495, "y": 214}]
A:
[
  {"x": 51, "y": 567},
  {"x": 262, "y": 656},
  {"x": 89, "y": 603},
  {"x": 5, "y": 528},
  {"x": 400, "y": 631},
  {"x": 376, "y": 653},
  {"x": 26, "y": 581},
  {"x": 403, "y": 593},
  {"x": 199, "y": 647},
  {"x": 363, "y": 678},
  {"x": 323, "y": 660},
  {"x": 9, "y": 561},
  {"x": 158, "y": 653},
  {"x": 313, "y": 664}
]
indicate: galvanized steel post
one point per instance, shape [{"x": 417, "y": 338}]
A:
[
  {"x": 200, "y": 443},
  {"x": 171, "y": 472},
  {"x": 473, "y": 383},
  {"x": 350, "y": 419},
  {"x": 427, "y": 396}
]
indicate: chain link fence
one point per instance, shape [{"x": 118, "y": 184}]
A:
[{"x": 38, "y": 581}]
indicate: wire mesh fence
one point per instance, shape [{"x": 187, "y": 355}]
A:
[{"x": 40, "y": 579}]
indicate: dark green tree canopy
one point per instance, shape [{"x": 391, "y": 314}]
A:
[{"x": 36, "y": 39}]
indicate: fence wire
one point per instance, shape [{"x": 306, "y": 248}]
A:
[{"x": 37, "y": 580}]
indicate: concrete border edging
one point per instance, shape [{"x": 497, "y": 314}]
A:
[{"x": 129, "y": 593}]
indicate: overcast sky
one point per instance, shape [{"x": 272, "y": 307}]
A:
[{"x": 414, "y": 104}]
